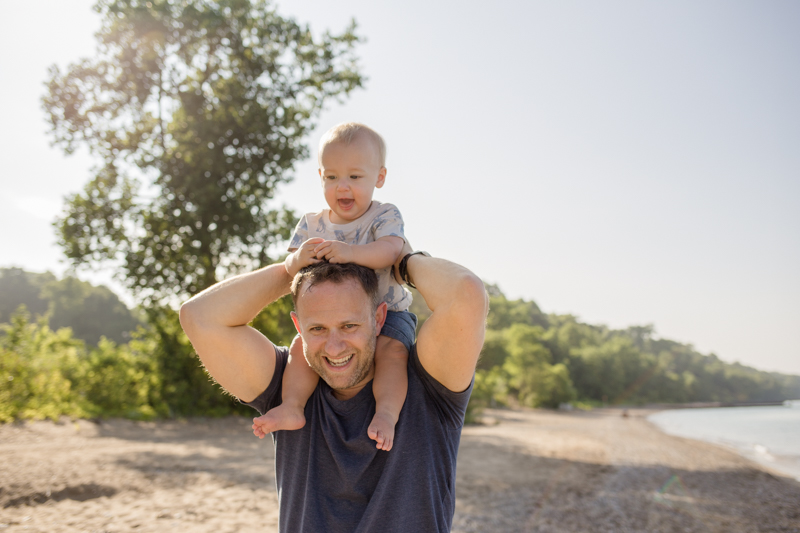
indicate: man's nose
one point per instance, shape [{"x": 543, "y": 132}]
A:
[{"x": 334, "y": 344}]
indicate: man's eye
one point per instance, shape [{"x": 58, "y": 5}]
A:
[{"x": 349, "y": 326}]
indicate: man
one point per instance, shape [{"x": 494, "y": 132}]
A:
[{"x": 330, "y": 476}]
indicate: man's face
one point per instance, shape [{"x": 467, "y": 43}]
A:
[
  {"x": 339, "y": 331},
  {"x": 350, "y": 174}
]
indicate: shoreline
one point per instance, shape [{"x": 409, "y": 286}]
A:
[
  {"x": 525, "y": 470},
  {"x": 761, "y": 452},
  {"x": 600, "y": 471}
]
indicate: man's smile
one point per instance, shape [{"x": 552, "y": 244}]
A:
[{"x": 340, "y": 361}]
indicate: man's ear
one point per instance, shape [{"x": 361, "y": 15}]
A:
[
  {"x": 381, "y": 178},
  {"x": 296, "y": 322},
  {"x": 380, "y": 316}
]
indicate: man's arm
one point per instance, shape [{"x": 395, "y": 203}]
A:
[
  {"x": 240, "y": 358},
  {"x": 450, "y": 341}
]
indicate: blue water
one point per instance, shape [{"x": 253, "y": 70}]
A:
[{"x": 769, "y": 435}]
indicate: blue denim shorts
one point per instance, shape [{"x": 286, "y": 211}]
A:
[{"x": 401, "y": 326}]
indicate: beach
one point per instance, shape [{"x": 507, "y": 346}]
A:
[{"x": 519, "y": 471}]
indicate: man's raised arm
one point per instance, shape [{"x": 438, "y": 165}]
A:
[
  {"x": 450, "y": 341},
  {"x": 240, "y": 358}
]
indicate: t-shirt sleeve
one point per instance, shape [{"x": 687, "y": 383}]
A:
[
  {"x": 389, "y": 223},
  {"x": 452, "y": 406},
  {"x": 271, "y": 397},
  {"x": 300, "y": 234}
]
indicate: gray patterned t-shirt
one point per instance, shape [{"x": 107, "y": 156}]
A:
[{"x": 380, "y": 220}]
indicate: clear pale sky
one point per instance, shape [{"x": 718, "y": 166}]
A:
[{"x": 627, "y": 162}]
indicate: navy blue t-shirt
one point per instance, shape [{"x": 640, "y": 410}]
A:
[{"x": 331, "y": 477}]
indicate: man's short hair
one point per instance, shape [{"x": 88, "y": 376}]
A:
[
  {"x": 322, "y": 272},
  {"x": 346, "y": 132}
]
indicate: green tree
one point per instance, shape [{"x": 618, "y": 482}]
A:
[
  {"x": 197, "y": 111},
  {"x": 18, "y": 287},
  {"x": 532, "y": 378},
  {"x": 504, "y": 312},
  {"x": 35, "y": 364},
  {"x": 90, "y": 312}
]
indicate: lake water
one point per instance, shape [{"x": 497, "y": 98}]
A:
[{"x": 768, "y": 435}]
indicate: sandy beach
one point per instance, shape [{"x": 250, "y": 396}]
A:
[{"x": 523, "y": 470}]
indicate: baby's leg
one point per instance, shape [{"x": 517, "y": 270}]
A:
[
  {"x": 389, "y": 387},
  {"x": 299, "y": 381}
]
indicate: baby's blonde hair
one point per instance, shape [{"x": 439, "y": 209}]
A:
[{"x": 346, "y": 132}]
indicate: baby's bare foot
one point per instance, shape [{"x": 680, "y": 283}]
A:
[
  {"x": 282, "y": 417},
  {"x": 381, "y": 430}
]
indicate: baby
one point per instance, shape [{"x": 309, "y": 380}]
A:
[{"x": 355, "y": 229}]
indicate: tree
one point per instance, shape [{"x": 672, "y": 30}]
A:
[
  {"x": 90, "y": 312},
  {"x": 197, "y": 111},
  {"x": 18, "y": 287}
]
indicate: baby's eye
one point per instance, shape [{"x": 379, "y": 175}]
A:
[{"x": 354, "y": 177}]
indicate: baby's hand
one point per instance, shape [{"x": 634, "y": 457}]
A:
[
  {"x": 302, "y": 257},
  {"x": 334, "y": 252}
]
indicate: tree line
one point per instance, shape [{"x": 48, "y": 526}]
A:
[
  {"x": 49, "y": 372},
  {"x": 544, "y": 360},
  {"x": 529, "y": 358}
]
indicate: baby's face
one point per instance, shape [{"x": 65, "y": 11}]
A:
[{"x": 350, "y": 173}]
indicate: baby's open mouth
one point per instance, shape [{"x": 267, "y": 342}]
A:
[{"x": 346, "y": 203}]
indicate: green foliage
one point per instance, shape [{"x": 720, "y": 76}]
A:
[
  {"x": 515, "y": 363},
  {"x": 504, "y": 313},
  {"x": 18, "y": 287},
  {"x": 35, "y": 363},
  {"x": 48, "y": 374},
  {"x": 197, "y": 111},
  {"x": 186, "y": 389},
  {"x": 532, "y": 360},
  {"x": 90, "y": 312},
  {"x": 121, "y": 380}
]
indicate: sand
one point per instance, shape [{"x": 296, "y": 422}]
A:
[{"x": 523, "y": 470}]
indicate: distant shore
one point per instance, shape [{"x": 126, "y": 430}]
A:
[
  {"x": 708, "y": 405},
  {"x": 522, "y": 470}
]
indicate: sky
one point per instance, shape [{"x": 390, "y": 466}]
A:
[{"x": 626, "y": 162}]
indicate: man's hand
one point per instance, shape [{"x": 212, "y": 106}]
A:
[
  {"x": 335, "y": 252},
  {"x": 302, "y": 257}
]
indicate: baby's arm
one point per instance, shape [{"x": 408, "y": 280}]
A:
[{"x": 378, "y": 254}]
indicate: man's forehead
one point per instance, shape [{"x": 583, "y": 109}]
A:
[{"x": 346, "y": 296}]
